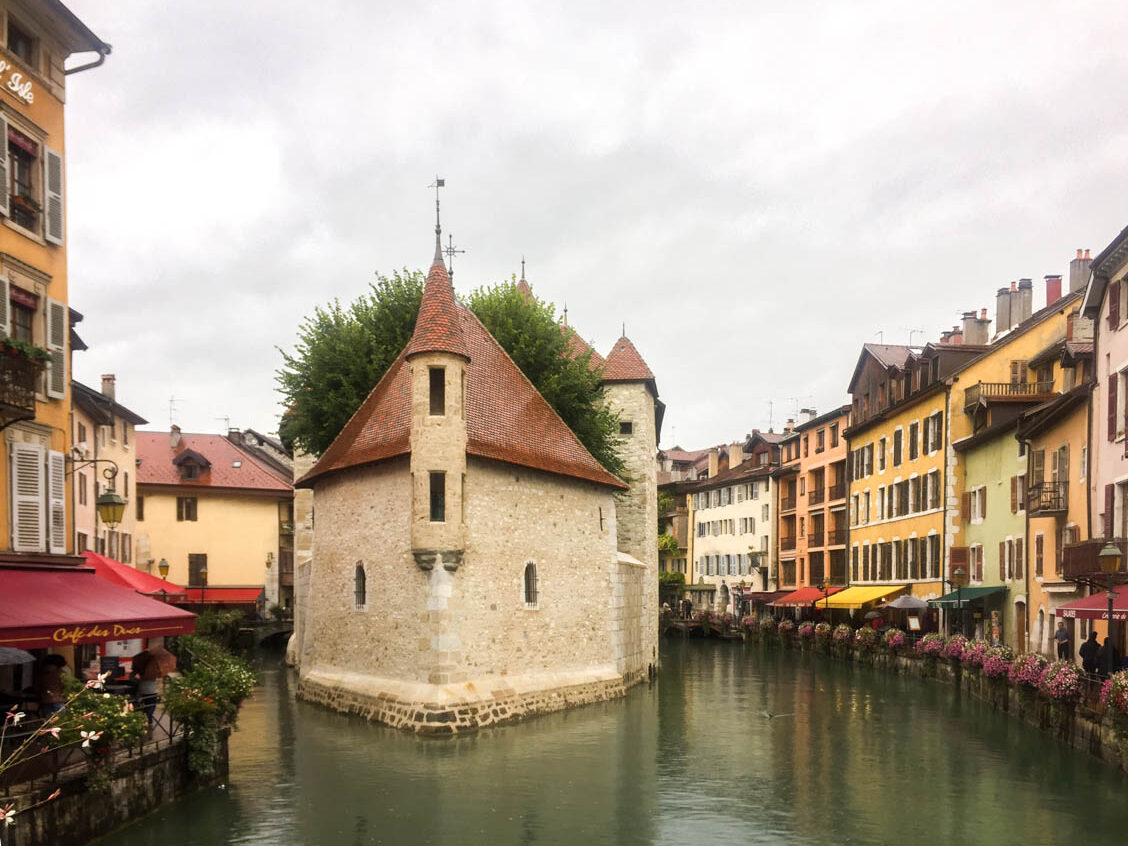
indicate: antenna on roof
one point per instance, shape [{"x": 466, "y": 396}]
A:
[
  {"x": 226, "y": 423},
  {"x": 771, "y": 409},
  {"x": 565, "y": 312},
  {"x": 171, "y": 411},
  {"x": 911, "y": 334},
  {"x": 522, "y": 267},
  {"x": 437, "y": 184},
  {"x": 880, "y": 336}
]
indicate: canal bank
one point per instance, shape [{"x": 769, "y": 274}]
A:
[{"x": 847, "y": 756}]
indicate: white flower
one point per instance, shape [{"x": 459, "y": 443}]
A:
[
  {"x": 15, "y": 717},
  {"x": 8, "y": 815},
  {"x": 88, "y": 736}
]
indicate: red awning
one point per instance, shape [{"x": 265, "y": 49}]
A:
[
  {"x": 125, "y": 576},
  {"x": 1095, "y": 607},
  {"x": 222, "y": 596},
  {"x": 805, "y": 596},
  {"x": 41, "y": 607}
]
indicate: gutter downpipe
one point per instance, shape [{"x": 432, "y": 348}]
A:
[{"x": 102, "y": 53}]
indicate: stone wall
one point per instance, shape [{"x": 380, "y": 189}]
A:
[{"x": 303, "y": 556}]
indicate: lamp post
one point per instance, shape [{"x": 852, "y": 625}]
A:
[
  {"x": 109, "y": 505},
  {"x": 203, "y": 583},
  {"x": 825, "y": 588},
  {"x": 957, "y": 579},
  {"x": 1109, "y": 558},
  {"x": 162, "y": 568}
]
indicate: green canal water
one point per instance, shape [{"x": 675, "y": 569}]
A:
[{"x": 851, "y": 757}]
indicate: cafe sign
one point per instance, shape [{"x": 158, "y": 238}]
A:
[
  {"x": 13, "y": 80},
  {"x": 82, "y": 634}
]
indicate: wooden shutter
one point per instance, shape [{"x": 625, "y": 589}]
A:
[
  {"x": 56, "y": 503},
  {"x": 1002, "y": 561},
  {"x": 1113, "y": 378},
  {"x": 982, "y": 503},
  {"x": 53, "y": 196},
  {"x": 1014, "y": 494},
  {"x": 1039, "y": 467},
  {"x": 1113, "y": 305},
  {"x": 56, "y": 345},
  {"x": 5, "y": 308},
  {"x": 5, "y": 190},
  {"x": 1054, "y": 464},
  {"x": 1019, "y": 557},
  {"x": 1063, "y": 463},
  {"x": 1110, "y": 504},
  {"x": 26, "y": 473},
  {"x": 965, "y": 507}
]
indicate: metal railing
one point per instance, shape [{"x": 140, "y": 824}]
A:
[
  {"x": 19, "y": 381},
  {"x": 816, "y": 496},
  {"x": 837, "y": 492},
  {"x": 787, "y": 503},
  {"x": 836, "y": 536},
  {"x": 787, "y": 543},
  {"x": 1048, "y": 497},
  {"x": 1006, "y": 391}
]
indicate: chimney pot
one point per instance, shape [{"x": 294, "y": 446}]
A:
[
  {"x": 983, "y": 314},
  {"x": 1078, "y": 252},
  {"x": 1087, "y": 256},
  {"x": 108, "y": 385},
  {"x": 174, "y": 436},
  {"x": 1053, "y": 289}
]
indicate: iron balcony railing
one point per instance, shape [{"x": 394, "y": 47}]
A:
[
  {"x": 817, "y": 496},
  {"x": 1006, "y": 392},
  {"x": 787, "y": 503},
  {"x": 835, "y": 537},
  {"x": 1048, "y": 498},
  {"x": 837, "y": 492},
  {"x": 787, "y": 543},
  {"x": 19, "y": 380}
]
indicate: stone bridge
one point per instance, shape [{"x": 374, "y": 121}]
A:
[{"x": 258, "y": 632}]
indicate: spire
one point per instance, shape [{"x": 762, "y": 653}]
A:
[
  {"x": 437, "y": 184},
  {"x": 523, "y": 286},
  {"x": 437, "y": 326}
]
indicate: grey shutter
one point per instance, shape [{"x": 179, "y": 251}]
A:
[
  {"x": 56, "y": 503},
  {"x": 56, "y": 345},
  {"x": 53, "y": 207},
  {"x": 27, "y": 497},
  {"x": 5, "y": 189},
  {"x": 5, "y": 308}
]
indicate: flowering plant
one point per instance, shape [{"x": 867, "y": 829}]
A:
[
  {"x": 894, "y": 639},
  {"x": 931, "y": 645},
  {"x": 822, "y": 631},
  {"x": 748, "y": 622},
  {"x": 1027, "y": 671},
  {"x": 767, "y": 624},
  {"x": 974, "y": 653},
  {"x": 1061, "y": 682},
  {"x": 842, "y": 634},
  {"x": 726, "y": 620},
  {"x": 866, "y": 638},
  {"x": 806, "y": 631},
  {"x": 786, "y": 626},
  {"x": 997, "y": 662},
  {"x": 703, "y": 617},
  {"x": 955, "y": 647},
  {"x": 1114, "y": 693}
]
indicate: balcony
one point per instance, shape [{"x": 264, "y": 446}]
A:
[
  {"x": 1080, "y": 561},
  {"x": 836, "y": 537},
  {"x": 787, "y": 503},
  {"x": 985, "y": 392},
  {"x": 837, "y": 492},
  {"x": 1048, "y": 498},
  {"x": 816, "y": 539},
  {"x": 817, "y": 496},
  {"x": 787, "y": 543},
  {"x": 19, "y": 380}
]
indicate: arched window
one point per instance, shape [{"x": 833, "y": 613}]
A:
[
  {"x": 530, "y": 585},
  {"x": 361, "y": 587}
]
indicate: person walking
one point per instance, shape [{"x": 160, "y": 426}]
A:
[
  {"x": 1107, "y": 656},
  {"x": 1061, "y": 636},
  {"x": 1088, "y": 653}
]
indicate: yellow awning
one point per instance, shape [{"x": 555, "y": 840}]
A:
[{"x": 857, "y": 597}]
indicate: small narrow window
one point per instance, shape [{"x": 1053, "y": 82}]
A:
[
  {"x": 438, "y": 390},
  {"x": 140, "y": 509},
  {"x": 438, "y": 497},
  {"x": 626, "y": 427},
  {"x": 530, "y": 585},
  {"x": 361, "y": 587}
]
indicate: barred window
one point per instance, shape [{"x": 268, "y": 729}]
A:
[
  {"x": 530, "y": 585},
  {"x": 361, "y": 587}
]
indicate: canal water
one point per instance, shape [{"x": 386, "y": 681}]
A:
[{"x": 847, "y": 756}]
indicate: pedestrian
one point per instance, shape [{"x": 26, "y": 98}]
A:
[
  {"x": 1108, "y": 658},
  {"x": 147, "y": 671},
  {"x": 1088, "y": 652},
  {"x": 51, "y": 695},
  {"x": 1061, "y": 636}
]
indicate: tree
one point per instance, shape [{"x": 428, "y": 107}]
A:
[{"x": 342, "y": 353}]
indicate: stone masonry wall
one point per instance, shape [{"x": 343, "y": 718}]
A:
[{"x": 303, "y": 556}]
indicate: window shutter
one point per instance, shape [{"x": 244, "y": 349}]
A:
[
  {"x": 56, "y": 345},
  {"x": 1014, "y": 494},
  {"x": 1113, "y": 378},
  {"x": 1113, "y": 305},
  {"x": 983, "y": 503},
  {"x": 1002, "y": 561},
  {"x": 1039, "y": 468},
  {"x": 1019, "y": 557},
  {"x": 1110, "y": 505},
  {"x": 56, "y": 503},
  {"x": 27, "y": 497},
  {"x": 53, "y": 207},
  {"x": 1054, "y": 466},
  {"x": 1063, "y": 463},
  {"x": 5, "y": 191},
  {"x": 5, "y": 308}
]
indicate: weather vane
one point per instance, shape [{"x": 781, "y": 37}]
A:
[
  {"x": 451, "y": 252},
  {"x": 437, "y": 184}
]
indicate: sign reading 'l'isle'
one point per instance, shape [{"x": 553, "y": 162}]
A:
[{"x": 16, "y": 84}]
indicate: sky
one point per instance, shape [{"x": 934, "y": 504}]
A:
[{"x": 752, "y": 189}]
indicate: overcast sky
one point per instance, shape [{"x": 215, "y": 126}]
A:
[{"x": 755, "y": 189}]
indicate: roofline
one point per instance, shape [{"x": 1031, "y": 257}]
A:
[
  {"x": 823, "y": 418},
  {"x": 1037, "y": 419},
  {"x": 172, "y": 487},
  {"x": 94, "y": 43},
  {"x": 1107, "y": 260},
  {"x": 862, "y": 426},
  {"x": 97, "y": 396}
]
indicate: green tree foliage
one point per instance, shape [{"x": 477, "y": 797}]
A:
[
  {"x": 340, "y": 356},
  {"x": 342, "y": 353}
]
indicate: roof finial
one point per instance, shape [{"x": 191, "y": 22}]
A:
[
  {"x": 522, "y": 268},
  {"x": 624, "y": 329},
  {"x": 451, "y": 252},
  {"x": 565, "y": 312},
  {"x": 437, "y": 184}
]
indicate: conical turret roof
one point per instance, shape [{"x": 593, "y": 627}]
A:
[
  {"x": 437, "y": 328},
  {"x": 624, "y": 364}
]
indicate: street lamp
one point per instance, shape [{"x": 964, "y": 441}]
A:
[
  {"x": 203, "y": 582},
  {"x": 1109, "y": 558},
  {"x": 957, "y": 579},
  {"x": 109, "y": 505},
  {"x": 162, "y": 568}
]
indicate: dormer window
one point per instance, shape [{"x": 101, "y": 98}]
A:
[
  {"x": 189, "y": 471},
  {"x": 191, "y": 465}
]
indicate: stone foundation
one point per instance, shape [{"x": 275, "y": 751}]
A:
[{"x": 457, "y": 709}]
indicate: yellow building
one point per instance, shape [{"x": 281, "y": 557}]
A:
[
  {"x": 218, "y": 515},
  {"x": 35, "y": 401},
  {"x": 897, "y": 447}
]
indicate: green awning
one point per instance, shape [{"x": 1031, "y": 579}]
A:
[{"x": 965, "y": 596}]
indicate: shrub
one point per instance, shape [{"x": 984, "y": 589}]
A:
[
  {"x": 974, "y": 653},
  {"x": 894, "y": 639},
  {"x": 1061, "y": 682},
  {"x": 1114, "y": 693},
  {"x": 931, "y": 645},
  {"x": 1027, "y": 671},
  {"x": 997, "y": 662},
  {"x": 866, "y": 638}
]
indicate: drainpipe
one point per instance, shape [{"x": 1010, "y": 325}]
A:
[{"x": 102, "y": 53}]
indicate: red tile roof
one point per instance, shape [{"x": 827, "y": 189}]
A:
[
  {"x": 155, "y": 455},
  {"x": 437, "y": 327},
  {"x": 506, "y": 418},
  {"x": 624, "y": 364},
  {"x": 577, "y": 346}
]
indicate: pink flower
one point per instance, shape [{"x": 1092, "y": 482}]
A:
[{"x": 88, "y": 736}]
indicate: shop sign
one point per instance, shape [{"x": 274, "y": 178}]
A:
[
  {"x": 16, "y": 84},
  {"x": 78, "y": 634}
]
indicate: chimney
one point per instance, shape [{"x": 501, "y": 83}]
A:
[
  {"x": 1079, "y": 271},
  {"x": 789, "y": 426},
  {"x": 1053, "y": 289},
  {"x": 174, "y": 436},
  {"x": 736, "y": 454},
  {"x": 956, "y": 336},
  {"x": 108, "y": 385},
  {"x": 975, "y": 329},
  {"x": 1025, "y": 301},
  {"x": 1002, "y": 310},
  {"x": 713, "y": 462},
  {"x": 808, "y": 414}
]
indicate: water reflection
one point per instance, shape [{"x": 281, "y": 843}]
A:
[{"x": 852, "y": 757}]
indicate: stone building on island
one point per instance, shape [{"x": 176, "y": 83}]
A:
[{"x": 472, "y": 563}]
